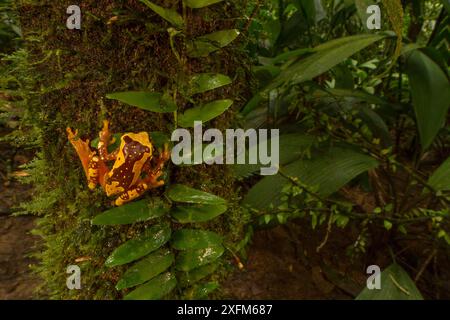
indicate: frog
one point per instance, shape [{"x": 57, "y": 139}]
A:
[{"x": 134, "y": 169}]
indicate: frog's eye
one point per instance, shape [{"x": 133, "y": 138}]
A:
[{"x": 147, "y": 149}]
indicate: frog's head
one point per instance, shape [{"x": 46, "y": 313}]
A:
[
  {"x": 136, "y": 146},
  {"x": 135, "y": 150}
]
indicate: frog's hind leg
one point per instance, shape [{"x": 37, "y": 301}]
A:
[
  {"x": 93, "y": 167},
  {"x": 104, "y": 142}
]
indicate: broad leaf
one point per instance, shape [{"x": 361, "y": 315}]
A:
[
  {"x": 167, "y": 14},
  {"x": 197, "y": 213},
  {"x": 154, "y": 289},
  {"x": 395, "y": 285},
  {"x": 191, "y": 277},
  {"x": 328, "y": 171},
  {"x": 191, "y": 259},
  {"x": 185, "y": 194},
  {"x": 430, "y": 90},
  {"x": 204, "y": 45},
  {"x": 440, "y": 180},
  {"x": 204, "y": 113},
  {"x": 146, "y": 269},
  {"x": 196, "y": 4},
  {"x": 150, "y": 101},
  {"x": 150, "y": 240},
  {"x": 327, "y": 56},
  {"x": 201, "y": 291},
  {"x": 208, "y": 81},
  {"x": 190, "y": 239},
  {"x": 133, "y": 212}
]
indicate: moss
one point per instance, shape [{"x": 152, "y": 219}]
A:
[{"x": 73, "y": 70}]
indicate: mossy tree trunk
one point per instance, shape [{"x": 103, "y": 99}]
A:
[{"x": 74, "y": 70}]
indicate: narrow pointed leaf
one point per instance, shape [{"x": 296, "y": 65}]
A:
[
  {"x": 150, "y": 240},
  {"x": 204, "y": 45},
  {"x": 430, "y": 90},
  {"x": 133, "y": 212},
  {"x": 146, "y": 269},
  {"x": 197, "y": 213},
  {"x": 167, "y": 14},
  {"x": 197, "y": 4},
  {"x": 150, "y": 101},
  {"x": 185, "y": 194},
  {"x": 191, "y": 259},
  {"x": 154, "y": 289},
  {"x": 208, "y": 81},
  {"x": 190, "y": 239},
  {"x": 204, "y": 113},
  {"x": 440, "y": 180}
]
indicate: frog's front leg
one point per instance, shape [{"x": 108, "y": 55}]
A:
[
  {"x": 94, "y": 168},
  {"x": 104, "y": 142}
]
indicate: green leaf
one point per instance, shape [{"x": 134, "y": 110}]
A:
[
  {"x": 201, "y": 291},
  {"x": 395, "y": 285},
  {"x": 329, "y": 171},
  {"x": 150, "y": 101},
  {"x": 387, "y": 225},
  {"x": 197, "y": 213},
  {"x": 190, "y": 239},
  {"x": 138, "y": 211},
  {"x": 327, "y": 56},
  {"x": 191, "y": 259},
  {"x": 197, "y": 4},
  {"x": 204, "y": 113},
  {"x": 185, "y": 194},
  {"x": 208, "y": 81},
  {"x": 193, "y": 276},
  {"x": 430, "y": 90},
  {"x": 146, "y": 269},
  {"x": 292, "y": 146},
  {"x": 154, "y": 289},
  {"x": 204, "y": 45},
  {"x": 150, "y": 240},
  {"x": 440, "y": 179},
  {"x": 167, "y": 14}
]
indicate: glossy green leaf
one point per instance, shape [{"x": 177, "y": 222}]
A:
[
  {"x": 150, "y": 101},
  {"x": 197, "y": 213},
  {"x": 193, "y": 276},
  {"x": 327, "y": 56},
  {"x": 204, "y": 45},
  {"x": 208, "y": 81},
  {"x": 138, "y": 211},
  {"x": 430, "y": 90},
  {"x": 204, "y": 113},
  {"x": 328, "y": 171},
  {"x": 185, "y": 194},
  {"x": 150, "y": 240},
  {"x": 191, "y": 259},
  {"x": 190, "y": 239},
  {"x": 395, "y": 285},
  {"x": 154, "y": 289},
  {"x": 440, "y": 179},
  {"x": 146, "y": 269},
  {"x": 197, "y": 4},
  {"x": 201, "y": 291},
  {"x": 167, "y": 14}
]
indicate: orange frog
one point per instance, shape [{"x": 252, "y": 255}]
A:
[{"x": 134, "y": 171}]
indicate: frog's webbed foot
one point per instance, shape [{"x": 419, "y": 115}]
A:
[
  {"x": 156, "y": 172},
  {"x": 104, "y": 142}
]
